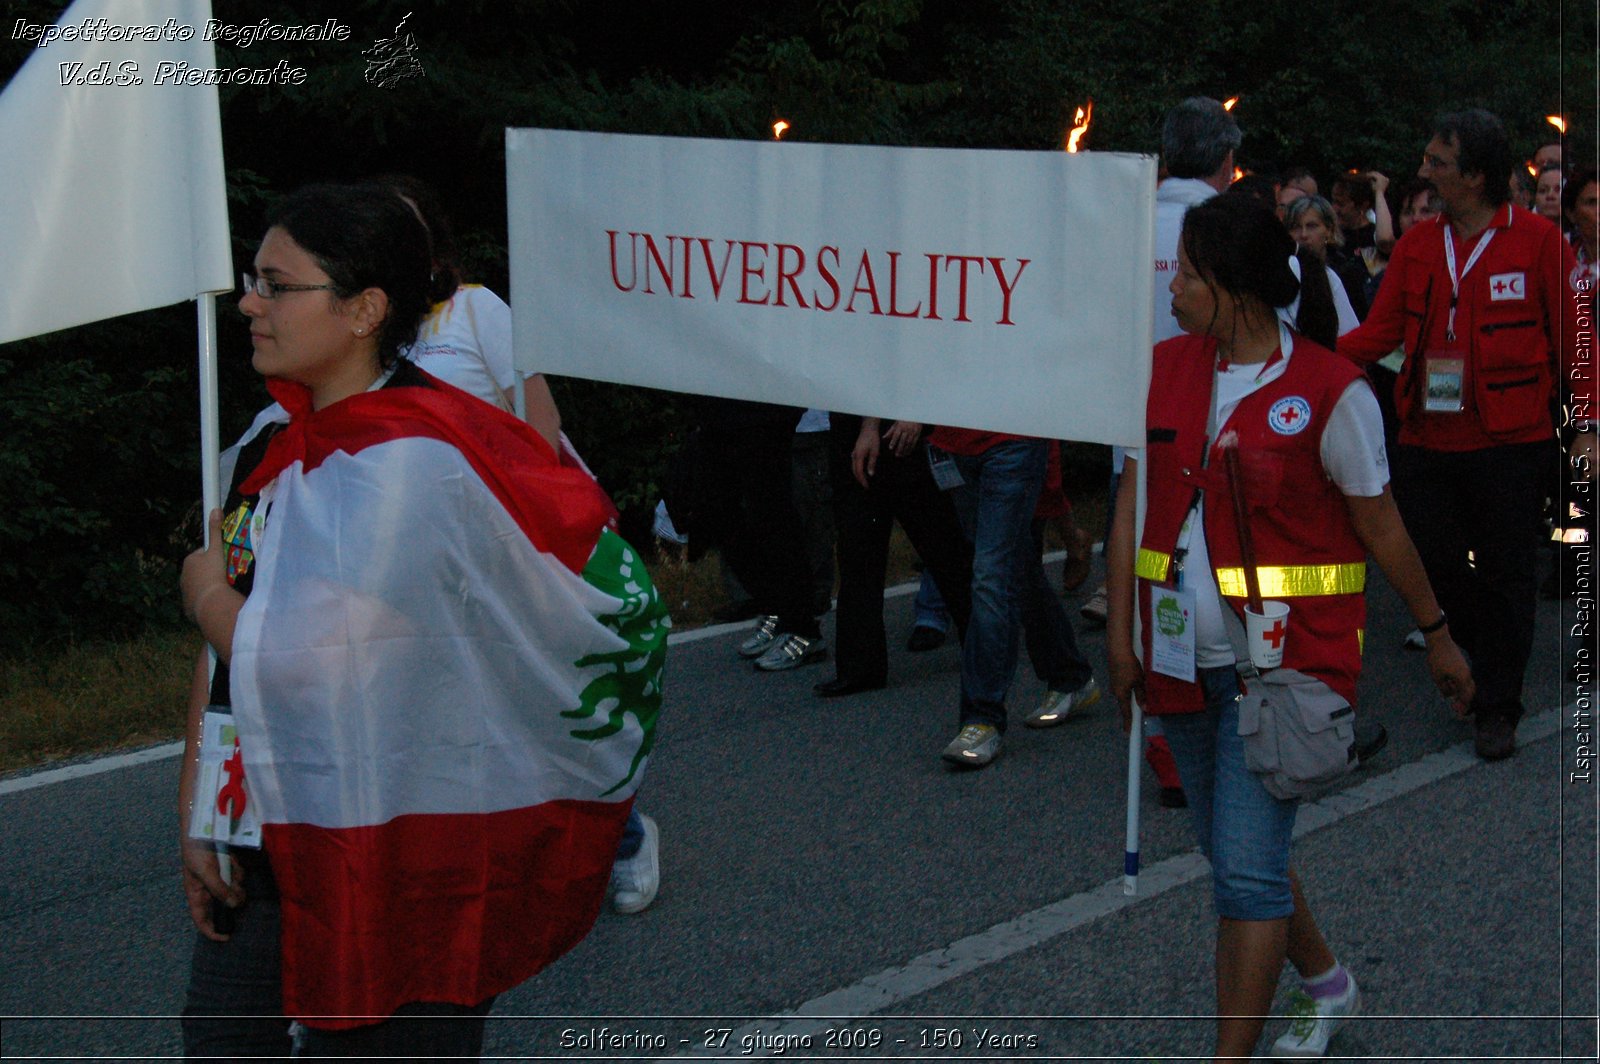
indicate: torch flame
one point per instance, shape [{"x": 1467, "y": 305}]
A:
[
  {"x": 779, "y": 128},
  {"x": 1557, "y": 121},
  {"x": 1533, "y": 171},
  {"x": 1080, "y": 126},
  {"x": 1227, "y": 105},
  {"x": 1237, "y": 173}
]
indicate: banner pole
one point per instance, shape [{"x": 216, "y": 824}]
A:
[{"x": 1130, "y": 853}]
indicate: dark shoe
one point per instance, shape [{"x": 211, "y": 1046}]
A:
[
  {"x": 839, "y": 687},
  {"x": 1370, "y": 738},
  {"x": 1494, "y": 738},
  {"x": 1173, "y": 798},
  {"x": 923, "y": 638}
]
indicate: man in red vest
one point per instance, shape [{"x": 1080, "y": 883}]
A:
[{"x": 1480, "y": 298}]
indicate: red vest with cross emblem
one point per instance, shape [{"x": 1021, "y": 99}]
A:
[{"x": 1307, "y": 552}]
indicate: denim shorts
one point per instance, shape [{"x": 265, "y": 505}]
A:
[{"x": 1242, "y": 828}]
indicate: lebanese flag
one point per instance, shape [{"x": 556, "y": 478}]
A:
[{"x": 446, "y": 679}]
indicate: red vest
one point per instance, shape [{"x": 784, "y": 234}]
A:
[{"x": 1307, "y": 552}]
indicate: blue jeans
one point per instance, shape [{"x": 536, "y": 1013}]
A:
[
  {"x": 1241, "y": 827},
  {"x": 1009, "y": 591},
  {"x": 929, "y": 606}
]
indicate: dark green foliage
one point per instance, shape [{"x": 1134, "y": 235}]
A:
[{"x": 98, "y": 468}]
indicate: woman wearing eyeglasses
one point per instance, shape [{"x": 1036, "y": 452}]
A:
[{"x": 437, "y": 676}]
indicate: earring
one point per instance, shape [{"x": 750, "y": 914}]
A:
[{"x": 361, "y": 332}]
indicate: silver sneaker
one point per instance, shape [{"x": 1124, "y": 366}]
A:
[
  {"x": 635, "y": 880},
  {"x": 975, "y": 746},
  {"x": 765, "y": 632},
  {"x": 1055, "y": 705},
  {"x": 792, "y": 651}
]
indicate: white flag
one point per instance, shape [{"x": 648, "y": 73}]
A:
[{"x": 112, "y": 194}]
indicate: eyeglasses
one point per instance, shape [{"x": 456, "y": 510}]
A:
[
  {"x": 268, "y": 289},
  {"x": 1434, "y": 162}
]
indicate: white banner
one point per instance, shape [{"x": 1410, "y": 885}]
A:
[
  {"x": 112, "y": 194},
  {"x": 998, "y": 290}
]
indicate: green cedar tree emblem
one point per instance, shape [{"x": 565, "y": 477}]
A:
[{"x": 632, "y": 680}]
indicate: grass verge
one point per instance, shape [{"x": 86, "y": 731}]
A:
[{"x": 61, "y": 702}]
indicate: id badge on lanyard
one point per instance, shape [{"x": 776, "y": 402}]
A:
[
  {"x": 223, "y": 811},
  {"x": 1445, "y": 371},
  {"x": 1172, "y": 615},
  {"x": 1172, "y": 632}
]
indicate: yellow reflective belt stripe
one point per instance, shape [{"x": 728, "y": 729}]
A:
[
  {"x": 1152, "y": 565},
  {"x": 1287, "y": 581},
  {"x": 1361, "y": 641}
]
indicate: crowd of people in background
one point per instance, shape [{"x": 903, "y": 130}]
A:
[{"x": 1450, "y": 297}]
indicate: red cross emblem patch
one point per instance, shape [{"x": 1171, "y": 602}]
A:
[
  {"x": 1504, "y": 286},
  {"x": 1289, "y": 415}
]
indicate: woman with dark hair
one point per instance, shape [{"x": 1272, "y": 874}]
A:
[
  {"x": 416, "y": 612},
  {"x": 1547, "y": 194},
  {"x": 1303, "y": 427},
  {"x": 1578, "y": 208},
  {"x": 1354, "y": 198}
]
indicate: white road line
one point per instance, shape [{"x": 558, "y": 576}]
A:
[
  {"x": 880, "y": 992},
  {"x": 114, "y": 762},
  {"x": 89, "y": 768}
]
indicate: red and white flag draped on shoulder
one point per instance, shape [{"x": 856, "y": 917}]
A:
[{"x": 446, "y": 680}]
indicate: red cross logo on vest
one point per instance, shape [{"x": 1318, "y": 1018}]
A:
[
  {"x": 1289, "y": 415},
  {"x": 1504, "y": 286}
]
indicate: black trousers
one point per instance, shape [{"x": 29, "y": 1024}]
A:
[
  {"x": 1489, "y": 503},
  {"x": 902, "y": 490},
  {"x": 748, "y": 451}
]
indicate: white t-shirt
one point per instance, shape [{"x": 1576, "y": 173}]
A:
[
  {"x": 466, "y": 341},
  {"x": 1353, "y": 457}
]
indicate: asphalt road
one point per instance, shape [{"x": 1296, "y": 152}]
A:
[{"x": 831, "y": 888}]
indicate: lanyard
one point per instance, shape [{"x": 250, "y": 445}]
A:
[
  {"x": 1455, "y": 281},
  {"x": 1186, "y": 530}
]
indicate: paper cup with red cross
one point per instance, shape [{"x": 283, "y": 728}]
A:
[{"x": 1268, "y": 632}]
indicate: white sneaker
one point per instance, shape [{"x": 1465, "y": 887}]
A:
[
  {"x": 1314, "y": 1021},
  {"x": 635, "y": 880},
  {"x": 1055, "y": 705}
]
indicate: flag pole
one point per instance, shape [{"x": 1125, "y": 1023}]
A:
[
  {"x": 1130, "y": 852},
  {"x": 210, "y": 444},
  {"x": 210, "y": 462}
]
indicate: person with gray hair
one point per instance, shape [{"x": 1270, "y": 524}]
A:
[{"x": 1198, "y": 139}]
